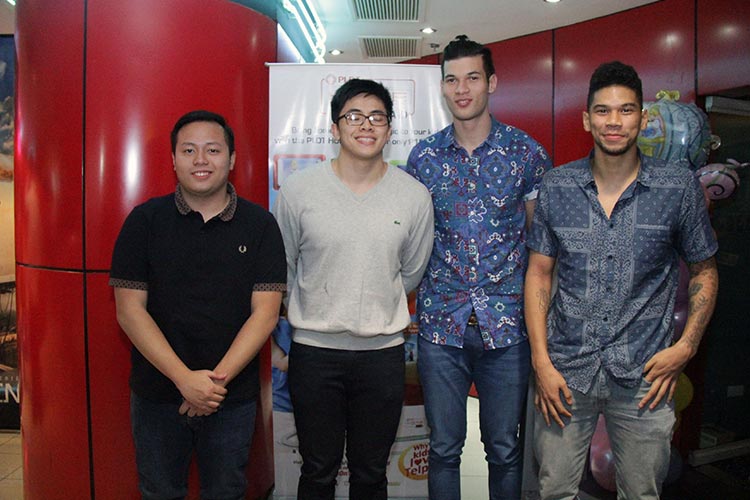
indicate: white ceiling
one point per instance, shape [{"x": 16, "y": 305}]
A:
[{"x": 484, "y": 21}]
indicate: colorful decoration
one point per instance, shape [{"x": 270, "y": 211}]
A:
[
  {"x": 601, "y": 459},
  {"x": 676, "y": 132},
  {"x": 720, "y": 180},
  {"x": 683, "y": 393}
]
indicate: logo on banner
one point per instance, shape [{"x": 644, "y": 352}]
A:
[{"x": 413, "y": 461}]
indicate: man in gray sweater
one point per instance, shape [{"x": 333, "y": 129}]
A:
[{"x": 358, "y": 234}]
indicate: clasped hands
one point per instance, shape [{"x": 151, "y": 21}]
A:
[{"x": 202, "y": 391}]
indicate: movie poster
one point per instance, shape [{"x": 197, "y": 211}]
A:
[{"x": 9, "y": 387}]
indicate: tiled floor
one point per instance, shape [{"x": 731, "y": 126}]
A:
[
  {"x": 473, "y": 465},
  {"x": 11, "y": 469}
]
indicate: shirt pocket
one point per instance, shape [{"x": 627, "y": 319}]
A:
[{"x": 652, "y": 254}]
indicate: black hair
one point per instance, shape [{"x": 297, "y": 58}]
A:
[
  {"x": 355, "y": 87},
  {"x": 615, "y": 73},
  {"x": 460, "y": 47},
  {"x": 203, "y": 116}
]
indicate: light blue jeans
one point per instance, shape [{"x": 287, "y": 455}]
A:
[
  {"x": 640, "y": 441},
  {"x": 501, "y": 379}
]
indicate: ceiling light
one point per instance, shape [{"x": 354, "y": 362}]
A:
[
  {"x": 301, "y": 22},
  {"x": 12, "y": 2},
  {"x": 551, "y": 1},
  {"x": 336, "y": 52},
  {"x": 428, "y": 30}
]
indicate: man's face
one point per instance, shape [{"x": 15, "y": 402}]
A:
[
  {"x": 466, "y": 88},
  {"x": 201, "y": 159},
  {"x": 365, "y": 141},
  {"x": 614, "y": 119}
]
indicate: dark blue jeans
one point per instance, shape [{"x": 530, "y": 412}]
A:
[
  {"x": 345, "y": 396},
  {"x": 501, "y": 379},
  {"x": 165, "y": 441}
]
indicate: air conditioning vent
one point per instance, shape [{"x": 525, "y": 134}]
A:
[
  {"x": 386, "y": 10},
  {"x": 390, "y": 47}
]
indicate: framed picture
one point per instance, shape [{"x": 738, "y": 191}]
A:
[{"x": 9, "y": 386}]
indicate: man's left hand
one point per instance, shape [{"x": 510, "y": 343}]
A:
[
  {"x": 662, "y": 371},
  {"x": 192, "y": 411}
]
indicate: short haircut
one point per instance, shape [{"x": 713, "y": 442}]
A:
[
  {"x": 355, "y": 87},
  {"x": 203, "y": 116},
  {"x": 460, "y": 47},
  {"x": 615, "y": 73}
]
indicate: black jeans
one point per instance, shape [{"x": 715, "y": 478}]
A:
[{"x": 352, "y": 396}]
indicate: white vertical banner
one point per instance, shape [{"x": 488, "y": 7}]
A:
[
  {"x": 299, "y": 137},
  {"x": 299, "y": 121}
]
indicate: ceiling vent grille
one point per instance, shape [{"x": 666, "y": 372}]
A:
[
  {"x": 386, "y": 10},
  {"x": 390, "y": 47}
]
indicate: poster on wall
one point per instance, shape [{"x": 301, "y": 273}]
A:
[
  {"x": 300, "y": 136},
  {"x": 9, "y": 386}
]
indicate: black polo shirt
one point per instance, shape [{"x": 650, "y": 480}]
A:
[{"x": 200, "y": 278}]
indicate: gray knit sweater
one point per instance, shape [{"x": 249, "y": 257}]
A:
[{"x": 352, "y": 258}]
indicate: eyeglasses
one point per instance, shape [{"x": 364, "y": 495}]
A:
[{"x": 355, "y": 118}]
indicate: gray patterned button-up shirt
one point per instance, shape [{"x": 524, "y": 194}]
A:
[{"x": 617, "y": 276}]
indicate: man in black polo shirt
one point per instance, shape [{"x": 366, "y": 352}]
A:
[{"x": 198, "y": 278}]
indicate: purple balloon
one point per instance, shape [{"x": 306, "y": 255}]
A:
[
  {"x": 601, "y": 459},
  {"x": 682, "y": 284},
  {"x": 719, "y": 180},
  {"x": 680, "y": 318}
]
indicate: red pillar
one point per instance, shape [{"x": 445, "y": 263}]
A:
[{"x": 99, "y": 85}]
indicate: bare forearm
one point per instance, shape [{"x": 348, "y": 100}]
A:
[
  {"x": 251, "y": 337},
  {"x": 146, "y": 336},
  {"x": 702, "y": 291},
  {"x": 537, "y": 296}
]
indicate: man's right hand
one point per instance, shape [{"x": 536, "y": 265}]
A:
[
  {"x": 203, "y": 390},
  {"x": 549, "y": 384}
]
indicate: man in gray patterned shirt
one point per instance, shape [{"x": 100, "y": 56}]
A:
[{"x": 616, "y": 225}]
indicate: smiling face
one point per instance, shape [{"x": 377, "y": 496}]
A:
[
  {"x": 202, "y": 160},
  {"x": 366, "y": 141},
  {"x": 614, "y": 119},
  {"x": 466, "y": 88}
]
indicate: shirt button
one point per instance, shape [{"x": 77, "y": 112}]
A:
[
  {"x": 611, "y": 225},
  {"x": 604, "y": 319},
  {"x": 609, "y": 257}
]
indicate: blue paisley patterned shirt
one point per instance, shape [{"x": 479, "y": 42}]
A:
[
  {"x": 479, "y": 257},
  {"x": 617, "y": 276}
]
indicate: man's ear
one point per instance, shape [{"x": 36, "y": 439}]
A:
[{"x": 586, "y": 121}]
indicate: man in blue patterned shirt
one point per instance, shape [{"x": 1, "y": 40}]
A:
[
  {"x": 483, "y": 176},
  {"x": 616, "y": 225}
]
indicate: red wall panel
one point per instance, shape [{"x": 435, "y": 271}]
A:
[
  {"x": 48, "y": 146},
  {"x": 53, "y": 393},
  {"x": 156, "y": 69},
  {"x": 723, "y": 45},
  {"x": 523, "y": 97},
  {"x": 105, "y": 140},
  {"x": 113, "y": 454},
  {"x": 657, "y": 39}
]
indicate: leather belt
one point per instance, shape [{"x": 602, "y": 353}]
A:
[{"x": 473, "y": 319}]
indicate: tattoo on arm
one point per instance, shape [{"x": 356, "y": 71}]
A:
[{"x": 702, "y": 299}]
